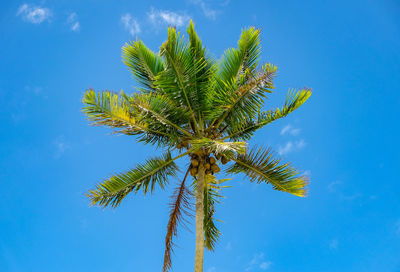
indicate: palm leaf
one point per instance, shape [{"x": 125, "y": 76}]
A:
[
  {"x": 201, "y": 72},
  {"x": 154, "y": 171},
  {"x": 160, "y": 113},
  {"x": 259, "y": 165},
  {"x": 174, "y": 80},
  {"x": 244, "y": 58},
  {"x": 113, "y": 110},
  {"x": 211, "y": 197},
  {"x": 144, "y": 63},
  {"x": 245, "y": 130},
  {"x": 244, "y": 101},
  {"x": 226, "y": 149},
  {"x": 180, "y": 206}
]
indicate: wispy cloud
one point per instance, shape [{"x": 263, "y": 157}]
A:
[
  {"x": 73, "y": 22},
  {"x": 171, "y": 18},
  {"x": 334, "y": 244},
  {"x": 130, "y": 24},
  {"x": 398, "y": 227},
  {"x": 290, "y": 130},
  {"x": 60, "y": 146},
  {"x": 205, "y": 8},
  {"x": 34, "y": 14},
  {"x": 265, "y": 265},
  {"x": 212, "y": 269},
  {"x": 258, "y": 262},
  {"x": 332, "y": 187},
  {"x": 345, "y": 193},
  {"x": 291, "y": 146}
]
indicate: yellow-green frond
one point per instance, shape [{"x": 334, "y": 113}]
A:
[
  {"x": 144, "y": 176},
  {"x": 260, "y": 166}
]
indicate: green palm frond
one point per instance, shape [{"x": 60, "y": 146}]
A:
[
  {"x": 180, "y": 206},
  {"x": 159, "y": 113},
  {"x": 110, "y": 109},
  {"x": 236, "y": 61},
  {"x": 260, "y": 166},
  {"x": 202, "y": 69},
  {"x": 211, "y": 197},
  {"x": 175, "y": 78},
  {"x": 114, "y": 110},
  {"x": 144, "y": 176},
  {"x": 143, "y": 63},
  {"x": 249, "y": 46},
  {"x": 244, "y": 101},
  {"x": 219, "y": 148},
  {"x": 245, "y": 130}
]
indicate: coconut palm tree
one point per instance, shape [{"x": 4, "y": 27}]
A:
[{"x": 194, "y": 107}]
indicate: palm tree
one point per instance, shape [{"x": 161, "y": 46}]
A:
[{"x": 194, "y": 107}]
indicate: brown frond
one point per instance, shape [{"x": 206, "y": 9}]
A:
[{"x": 180, "y": 206}]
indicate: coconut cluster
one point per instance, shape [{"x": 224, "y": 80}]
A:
[{"x": 210, "y": 163}]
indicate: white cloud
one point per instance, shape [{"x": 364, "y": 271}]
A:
[
  {"x": 290, "y": 130},
  {"x": 333, "y": 244},
  {"x": 34, "y": 14},
  {"x": 207, "y": 11},
  {"x": 73, "y": 22},
  {"x": 332, "y": 186},
  {"x": 158, "y": 17},
  {"x": 212, "y": 269},
  {"x": 265, "y": 265},
  {"x": 258, "y": 261},
  {"x": 398, "y": 227},
  {"x": 291, "y": 146},
  {"x": 130, "y": 24},
  {"x": 61, "y": 146}
]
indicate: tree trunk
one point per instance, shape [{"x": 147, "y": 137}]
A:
[{"x": 198, "y": 263}]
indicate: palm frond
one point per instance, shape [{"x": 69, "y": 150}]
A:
[
  {"x": 243, "y": 102},
  {"x": 245, "y": 130},
  {"x": 174, "y": 79},
  {"x": 211, "y": 197},
  {"x": 260, "y": 166},
  {"x": 236, "y": 61},
  {"x": 144, "y": 176},
  {"x": 143, "y": 63},
  {"x": 249, "y": 46},
  {"x": 180, "y": 206},
  {"x": 159, "y": 112},
  {"x": 110, "y": 109},
  {"x": 201, "y": 72},
  {"x": 226, "y": 149},
  {"x": 113, "y": 110}
]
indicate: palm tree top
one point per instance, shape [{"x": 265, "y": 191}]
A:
[{"x": 190, "y": 104}]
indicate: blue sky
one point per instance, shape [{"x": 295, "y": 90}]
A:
[{"x": 345, "y": 137}]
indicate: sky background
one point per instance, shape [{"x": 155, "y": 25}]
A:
[{"x": 346, "y": 137}]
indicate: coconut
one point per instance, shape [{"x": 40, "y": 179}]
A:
[
  {"x": 215, "y": 168},
  {"x": 195, "y": 163},
  {"x": 224, "y": 160},
  {"x": 193, "y": 172},
  {"x": 207, "y": 166},
  {"x": 212, "y": 160}
]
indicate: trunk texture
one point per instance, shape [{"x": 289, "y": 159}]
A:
[{"x": 198, "y": 263}]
